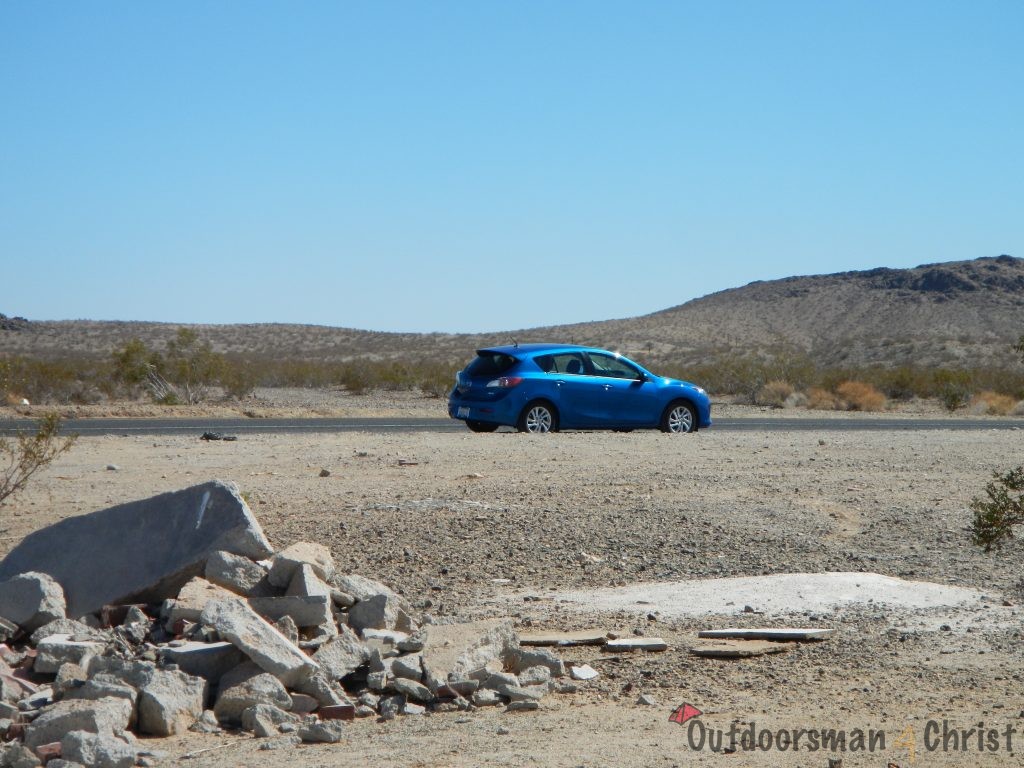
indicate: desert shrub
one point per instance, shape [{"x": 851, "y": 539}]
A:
[
  {"x": 796, "y": 400},
  {"x": 774, "y": 394},
  {"x": 861, "y": 396},
  {"x": 953, "y": 388},
  {"x": 996, "y": 515},
  {"x": 28, "y": 453},
  {"x": 821, "y": 399},
  {"x": 992, "y": 403}
]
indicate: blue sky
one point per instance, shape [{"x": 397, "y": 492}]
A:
[{"x": 477, "y": 166}]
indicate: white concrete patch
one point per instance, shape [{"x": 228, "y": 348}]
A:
[{"x": 779, "y": 594}]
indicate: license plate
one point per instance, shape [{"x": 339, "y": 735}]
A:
[{"x": 463, "y": 412}]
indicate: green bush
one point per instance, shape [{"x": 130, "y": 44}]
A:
[
  {"x": 996, "y": 516},
  {"x": 22, "y": 458}
]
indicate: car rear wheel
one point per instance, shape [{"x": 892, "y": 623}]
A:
[
  {"x": 480, "y": 426},
  {"x": 678, "y": 418},
  {"x": 538, "y": 419}
]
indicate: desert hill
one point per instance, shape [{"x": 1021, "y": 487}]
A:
[{"x": 965, "y": 311}]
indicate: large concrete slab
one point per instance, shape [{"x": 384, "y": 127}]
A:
[
  {"x": 781, "y": 634},
  {"x": 142, "y": 551}
]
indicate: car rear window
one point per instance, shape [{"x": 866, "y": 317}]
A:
[{"x": 490, "y": 364}]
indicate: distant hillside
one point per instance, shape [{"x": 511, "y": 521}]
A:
[{"x": 966, "y": 311}]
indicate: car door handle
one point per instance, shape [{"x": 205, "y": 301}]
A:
[
  {"x": 559, "y": 383},
  {"x": 607, "y": 387}
]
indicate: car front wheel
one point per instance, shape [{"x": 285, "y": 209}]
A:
[
  {"x": 678, "y": 418},
  {"x": 480, "y": 426},
  {"x": 538, "y": 419}
]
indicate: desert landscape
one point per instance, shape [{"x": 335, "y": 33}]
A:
[{"x": 643, "y": 535}]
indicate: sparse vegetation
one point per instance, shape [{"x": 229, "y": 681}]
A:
[
  {"x": 29, "y": 453},
  {"x": 1000, "y": 512},
  {"x": 774, "y": 394},
  {"x": 992, "y": 404},
  {"x": 860, "y": 396}
]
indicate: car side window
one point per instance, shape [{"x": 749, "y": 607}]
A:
[
  {"x": 614, "y": 367},
  {"x": 570, "y": 363}
]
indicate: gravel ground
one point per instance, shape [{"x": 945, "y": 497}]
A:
[{"x": 441, "y": 516}]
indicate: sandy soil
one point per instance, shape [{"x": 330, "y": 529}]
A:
[{"x": 440, "y": 516}]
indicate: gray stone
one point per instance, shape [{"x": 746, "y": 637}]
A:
[
  {"x": 322, "y": 688},
  {"x": 246, "y": 686},
  {"x": 30, "y": 599},
  {"x": 321, "y": 731},
  {"x": 101, "y": 716},
  {"x": 287, "y": 561},
  {"x": 170, "y": 702},
  {"x": 75, "y": 629},
  {"x": 303, "y": 704},
  {"x": 389, "y": 638},
  {"x": 142, "y": 551},
  {"x": 360, "y": 587},
  {"x": 380, "y": 612},
  {"x": 364, "y": 711},
  {"x": 409, "y": 667},
  {"x": 341, "y": 655},
  {"x": 38, "y": 699},
  {"x": 191, "y": 600},
  {"x": 413, "y": 643},
  {"x": 412, "y": 689},
  {"x": 286, "y": 626},
  {"x": 207, "y": 723},
  {"x": 498, "y": 680},
  {"x": 135, "y": 615},
  {"x": 236, "y": 573},
  {"x": 239, "y": 624},
  {"x": 285, "y": 742},
  {"x": 413, "y": 709},
  {"x": 369, "y": 699},
  {"x": 263, "y": 720},
  {"x": 305, "y": 611},
  {"x": 377, "y": 681},
  {"x": 17, "y": 756},
  {"x": 486, "y": 698},
  {"x": 390, "y": 706},
  {"x": 519, "y": 693},
  {"x": 68, "y": 676},
  {"x": 539, "y": 675},
  {"x": 8, "y": 629},
  {"x": 463, "y": 651},
  {"x": 566, "y": 639},
  {"x": 97, "y": 750},
  {"x": 128, "y": 671},
  {"x": 646, "y": 700},
  {"x": 206, "y": 660},
  {"x": 342, "y": 599},
  {"x": 782, "y": 634},
  {"x": 57, "y": 650},
  {"x": 582, "y": 672},
  {"x": 519, "y": 659},
  {"x": 104, "y": 686},
  {"x": 306, "y": 583}
]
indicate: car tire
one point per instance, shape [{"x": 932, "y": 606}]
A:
[
  {"x": 679, "y": 418},
  {"x": 538, "y": 418},
  {"x": 481, "y": 426}
]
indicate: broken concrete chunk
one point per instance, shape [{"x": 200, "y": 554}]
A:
[
  {"x": 518, "y": 693},
  {"x": 109, "y": 715},
  {"x": 360, "y": 587},
  {"x": 286, "y": 626},
  {"x": 412, "y": 689},
  {"x": 248, "y": 686},
  {"x": 140, "y": 551},
  {"x": 457, "y": 651},
  {"x": 409, "y": 667},
  {"x": 538, "y": 675},
  {"x": 341, "y": 655},
  {"x": 519, "y": 659},
  {"x": 239, "y": 624},
  {"x": 636, "y": 644},
  {"x": 30, "y": 599},
  {"x": 75, "y": 629},
  {"x": 525, "y": 705},
  {"x": 191, "y": 600},
  {"x": 170, "y": 702},
  {"x": 236, "y": 573},
  {"x": 305, "y": 611},
  {"x": 68, "y": 676},
  {"x": 289, "y": 560},
  {"x": 321, "y": 732},
  {"x": 380, "y": 612},
  {"x": 342, "y": 599},
  {"x": 57, "y": 650},
  {"x": 781, "y": 634},
  {"x": 8, "y": 630},
  {"x": 209, "y": 661},
  {"x": 306, "y": 583},
  {"x": 264, "y": 720},
  {"x": 486, "y": 698},
  {"x": 413, "y": 709},
  {"x": 737, "y": 649},
  {"x": 582, "y": 672},
  {"x": 103, "y": 686},
  {"x": 93, "y": 749}
]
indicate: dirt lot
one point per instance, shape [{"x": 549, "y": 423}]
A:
[{"x": 440, "y": 516}]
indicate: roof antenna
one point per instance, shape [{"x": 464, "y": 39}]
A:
[{"x": 515, "y": 343}]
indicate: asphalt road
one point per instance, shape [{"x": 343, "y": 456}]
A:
[{"x": 241, "y": 426}]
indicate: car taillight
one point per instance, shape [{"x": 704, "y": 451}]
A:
[{"x": 505, "y": 382}]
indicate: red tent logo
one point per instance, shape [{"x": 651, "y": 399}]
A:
[{"x": 684, "y": 712}]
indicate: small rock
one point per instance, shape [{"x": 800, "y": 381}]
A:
[
  {"x": 325, "y": 473},
  {"x": 583, "y": 672},
  {"x": 321, "y": 732},
  {"x": 646, "y": 700}
]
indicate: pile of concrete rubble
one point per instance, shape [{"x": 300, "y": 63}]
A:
[{"x": 174, "y": 613}]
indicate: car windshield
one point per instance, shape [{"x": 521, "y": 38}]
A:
[{"x": 490, "y": 364}]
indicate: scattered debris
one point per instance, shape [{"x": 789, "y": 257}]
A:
[
  {"x": 218, "y": 436},
  {"x": 280, "y": 645}
]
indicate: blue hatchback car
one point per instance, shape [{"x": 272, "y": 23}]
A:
[{"x": 547, "y": 387}]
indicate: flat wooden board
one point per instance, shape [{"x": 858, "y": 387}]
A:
[
  {"x": 738, "y": 649},
  {"x": 566, "y": 639},
  {"x": 783, "y": 634}
]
